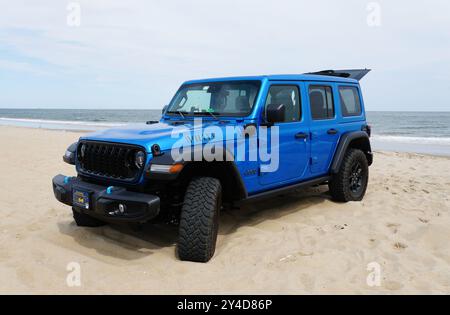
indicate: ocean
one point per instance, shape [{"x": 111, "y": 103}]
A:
[{"x": 420, "y": 132}]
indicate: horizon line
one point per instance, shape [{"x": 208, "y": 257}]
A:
[{"x": 132, "y": 109}]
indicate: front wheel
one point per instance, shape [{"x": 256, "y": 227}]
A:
[
  {"x": 199, "y": 220},
  {"x": 350, "y": 183}
]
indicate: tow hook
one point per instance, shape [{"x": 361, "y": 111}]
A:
[{"x": 120, "y": 211}]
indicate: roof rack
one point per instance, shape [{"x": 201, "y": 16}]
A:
[{"x": 356, "y": 74}]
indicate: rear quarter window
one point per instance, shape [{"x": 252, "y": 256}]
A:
[
  {"x": 350, "y": 101},
  {"x": 321, "y": 102}
]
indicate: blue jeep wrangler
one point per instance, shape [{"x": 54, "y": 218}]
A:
[{"x": 314, "y": 124}]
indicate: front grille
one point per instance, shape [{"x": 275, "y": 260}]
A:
[{"x": 109, "y": 160}]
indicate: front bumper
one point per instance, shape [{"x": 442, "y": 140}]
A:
[{"x": 113, "y": 204}]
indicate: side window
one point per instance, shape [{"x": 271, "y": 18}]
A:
[
  {"x": 350, "y": 102},
  {"x": 289, "y": 96},
  {"x": 321, "y": 102}
]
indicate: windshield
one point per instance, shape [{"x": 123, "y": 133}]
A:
[{"x": 233, "y": 98}]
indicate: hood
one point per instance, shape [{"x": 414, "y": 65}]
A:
[{"x": 166, "y": 134}]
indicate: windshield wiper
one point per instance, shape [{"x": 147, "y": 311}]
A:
[
  {"x": 182, "y": 114},
  {"x": 179, "y": 112},
  {"x": 206, "y": 112},
  {"x": 212, "y": 114}
]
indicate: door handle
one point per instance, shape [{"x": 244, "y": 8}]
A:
[
  {"x": 332, "y": 131},
  {"x": 301, "y": 135}
]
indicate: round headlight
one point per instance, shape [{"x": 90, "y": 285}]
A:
[{"x": 139, "y": 159}]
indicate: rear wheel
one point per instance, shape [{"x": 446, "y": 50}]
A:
[
  {"x": 350, "y": 183},
  {"x": 82, "y": 219},
  {"x": 199, "y": 220}
]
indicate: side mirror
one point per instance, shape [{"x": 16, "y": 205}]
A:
[
  {"x": 164, "y": 109},
  {"x": 275, "y": 113}
]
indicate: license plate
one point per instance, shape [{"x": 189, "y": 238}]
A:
[{"x": 81, "y": 199}]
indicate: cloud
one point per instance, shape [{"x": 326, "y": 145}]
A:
[{"x": 159, "y": 44}]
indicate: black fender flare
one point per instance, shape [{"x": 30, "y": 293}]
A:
[
  {"x": 344, "y": 143},
  {"x": 228, "y": 160}
]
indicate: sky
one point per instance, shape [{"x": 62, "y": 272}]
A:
[{"x": 135, "y": 54}]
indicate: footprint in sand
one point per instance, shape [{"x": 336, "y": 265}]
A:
[
  {"x": 340, "y": 227},
  {"x": 393, "y": 285},
  {"x": 393, "y": 227},
  {"x": 35, "y": 226},
  {"x": 321, "y": 230},
  {"x": 305, "y": 254},
  {"x": 423, "y": 220},
  {"x": 400, "y": 246},
  {"x": 308, "y": 281}
]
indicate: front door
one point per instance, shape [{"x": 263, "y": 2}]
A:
[{"x": 292, "y": 146}]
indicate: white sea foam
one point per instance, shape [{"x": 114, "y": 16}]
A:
[
  {"x": 72, "y": 124},
  {"x": 61, "y": 122},
  {"x": 58, "y": 124},
  {"x": 412, "y": 140},
  {"x": 430, "y": 145}
]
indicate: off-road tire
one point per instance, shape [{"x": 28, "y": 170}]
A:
[
  {"x": 341, "y": 185},
  {"x": 199, "y": 219},
  {"x": 82, "y": 219}
]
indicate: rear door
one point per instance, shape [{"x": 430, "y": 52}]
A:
[
  {"x": 324, "y": 125},
  {"x": 293, "y": 140}
]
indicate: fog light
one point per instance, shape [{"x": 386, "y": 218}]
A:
[{"x": 122, "y": 208}]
